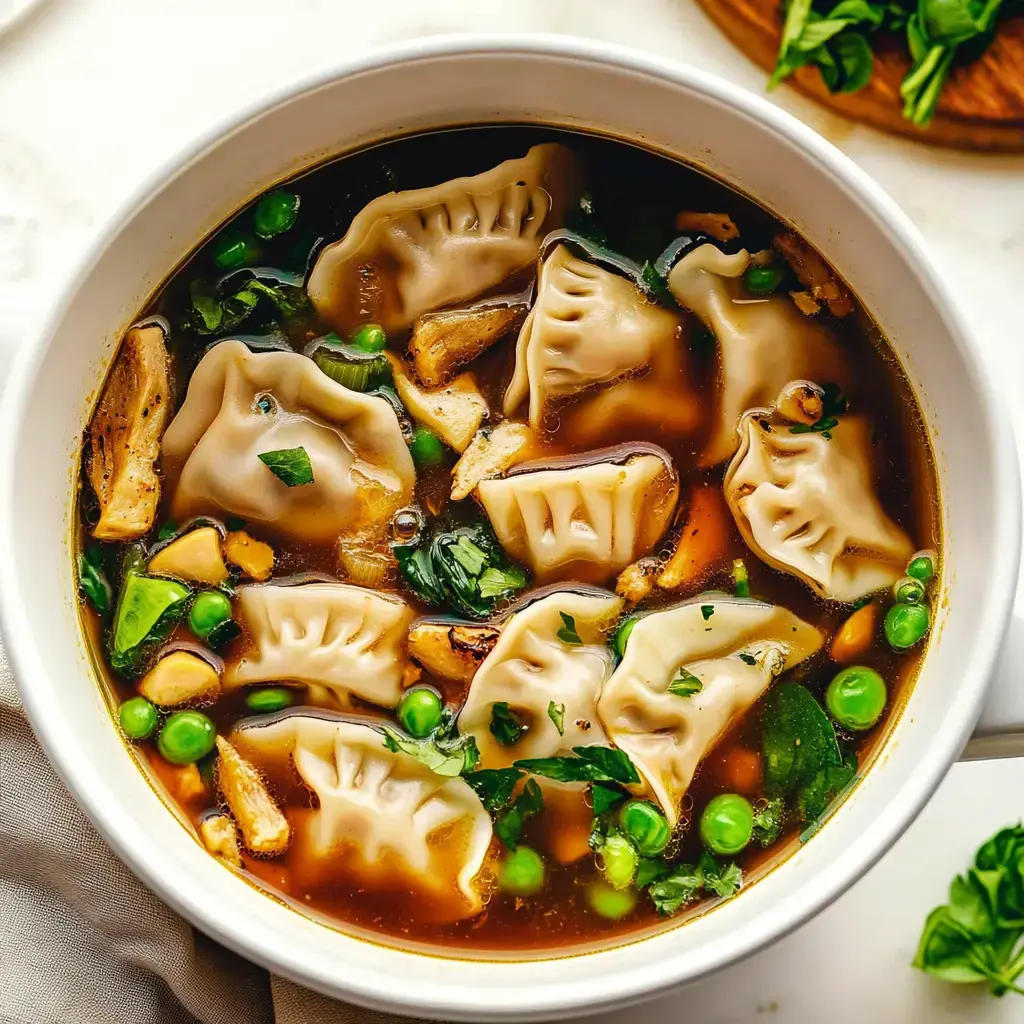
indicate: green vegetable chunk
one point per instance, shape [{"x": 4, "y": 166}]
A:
[
  {"x": 798, "y": 738},
  {"x": 727, "y": 824},
  {"x": 763, "y": 280},
  {"x": 621, "y": 637},
  {"x": 420, "y": 711},
  {"x": 426, "y": 448},
  {"x": 556, "y": 712},
  {"x": 264, "y": 699},
  {"x": 209, "y": 610},
  {"x": 290, "y": 465},
  {"x": 370, "y": 338},
  {"x": 618, "y": 860},
  {"x": 908, "y": 590},
  {"x": 922, "y": 566},
  {"x": 609, "y": 902},
  {"x": 275, "y": 213},
  {"x": 147, "y": 610},
  {"x": 232, "y": 249},
  {"x": 186, "y": 737},
  {"x": 814, "y": 797},
  {"x": 905, "y": 625},
  {"x": 521, "y": 872},
  {"x": 137, "y": 718},
  {"x": 856, "y": 697},
  {"x": 741, "y": 581},
  {"x": 351, "y": 367},
  {"x": 646, "y": 826}
]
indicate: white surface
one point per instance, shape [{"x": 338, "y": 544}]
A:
[{"x": 94, "y": 95}]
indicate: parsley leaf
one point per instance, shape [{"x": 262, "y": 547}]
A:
[
  {"x": 494, "y": 786},
  {"x": 567, "y": 634},
  {"x": 444, "y": 751},
  {"x": 768, "y": 818},
  {"x": 93, "y": 579},
  {"x": 290, "y": 465},
  {"x": 707, "y": 610},
  {"x": 722, "y": 880},
  {"x": 529, "y": 803},
  {"x": 747, "y": 659},
  {"x": 604, "y": 796},
  {"x": 591, "y": 764},
  {"x": 556, "y": 712},
  {"x": 505, "y": 725},
  {"x": 670, "y": 894},
  {"x": 685, "y": 684}
]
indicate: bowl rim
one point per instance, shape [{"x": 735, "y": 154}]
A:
[{"x": 633, "y": 983}]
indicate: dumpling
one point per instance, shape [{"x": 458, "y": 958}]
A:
[
  {"x": 409, "y": 253},
  {"x": 763, "y": 343},
  {"x": 242, "y": 404},
  {"x": 583, "y": 518},
  {"x": 734, "y": 648},
  {"x": 530, "y": 667},
  {"x": 590, "y": 327},
  {"x": 382, "y": 819},
  {"x": 805, "y": 503},
  {"x": 340, "y": 640}
]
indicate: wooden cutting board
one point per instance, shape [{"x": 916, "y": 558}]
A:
[{"x": 981, "y": 107}]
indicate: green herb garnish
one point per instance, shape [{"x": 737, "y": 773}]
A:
[
  {"x": 747, "y": 659},
  {"x": 290, "y": 465},
  {"x": 672, "y": 892},
  {"x": 148, "y": 608},
  {"x": 707, "y": 610},
  {"x": 814, "y": 797},
  {"x": 741, "y": 581},
  {"x": 591, "y": 764},
  {"x": 92, "y": 578},
  {"x": 604, "y": 796},
  {"x": 556, "y": 712},
  {"x": 721, "y": 879},
  {"x": 505, "y": 725},
  {"x": 768, "y": 818},
  {"x": 444, "y": 751},
  {"x": 509, "y": 826},
  {"x": 494, "y": 786},
  {"x": 567, "y": 634},
  {"x": 685, "y": 684},
  {"x": 496, "y": 583},
  {"x": 798, "y": 739}
]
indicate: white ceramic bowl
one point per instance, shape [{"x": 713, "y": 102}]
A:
[{"x": 560, "y": 81}]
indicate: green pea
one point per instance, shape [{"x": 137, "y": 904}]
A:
[
  {"x": 727, "y": 824},
  {"x": 370, "y": 338},
  {"x": 619, "y": 861},
  {"x": 137, "y": 718},
  {"x": 856, "y": 697},
  {"x": 521, "y": 873},
  {"x": 186, "y": 737},
  {"x": 232, "y": 249},
  {"x": 922, "y": 566},
  {"x": 419, "y": 711},
  {"x": 275, "y": 213},
  {"x": 646, "y": 826},
  {"x": 908, "y": 590},
  {"x": 426, "y": 448},
  {"x": 613, "y": 904},
  {"x": 208, "y": 611},
  {"x": 622, "y": 635},
  {"x": 763, "y": 280},
  {"x": 905, "y": 624},
  {"x": 269, "y": 698}
]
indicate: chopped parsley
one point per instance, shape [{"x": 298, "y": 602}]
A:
[
  {"x": 567, "y": 634},
  {"x": 685, "y": 684},
  {"x": 505, "y": 725},
  {"x": 494, "y": 786},
  {"x": 591, "y": 764},
  {"x": 556, "y": 712},
  {"x": 509, "y": 826},
  {"x": 290, "y": 465},
  {"x": 707, "y": 610}
]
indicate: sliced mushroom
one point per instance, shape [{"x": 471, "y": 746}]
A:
[
  {"x": 195, "y": 557},
  {"x": 124, "y": 436},
  {"x": 453, "y": 412},
  {"x": 451, "y": 651},
  {"x": 264, "y": 828},
  {"x": 814, "y": 274},
  {"x": 490, "y": 454},
  {"x": 179, "y": 677},
  {"x": 719, "y": 226},
  {"x": 220, "y": 837},
  {"x": 443, "y": 341},
  {"x": 252, "y": 556}
]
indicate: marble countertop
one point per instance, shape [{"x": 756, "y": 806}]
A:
[{"x": 96, "y": 94}]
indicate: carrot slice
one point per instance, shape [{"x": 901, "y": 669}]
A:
[{"x": 703, "y": 541}]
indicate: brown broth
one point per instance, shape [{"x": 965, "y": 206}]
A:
[{"x": 637, "y": 194}]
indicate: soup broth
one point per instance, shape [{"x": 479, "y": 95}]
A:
[{"x": 505, "y": 539}]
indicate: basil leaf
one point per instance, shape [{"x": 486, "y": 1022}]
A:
[
  {"x": 945, "y": 951},
  {"x": 556, "y": 712},
  {"x": 613, "y": 762},
  {"x": 721, "y": 879},
  {"x": 528, "y": 804},
  {"x": 93, "y": 579},
  {"x": 567, "y": 634},
  {"x": 505, "y": 726},
  {"x": 290, "y": 465},
  {"x": 685, "y": 684},
  {"x": 494, "y": 786},
  {"x": 604, "y": 796},
  {"x": 798, "y": 739}
]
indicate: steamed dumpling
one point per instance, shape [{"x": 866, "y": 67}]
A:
[
  {"x": 242, "y": 404},
  {"x": 583, "y": 520},
  {"x": 382, "y": 819},
  {"x": 763, "y": 343},
  {"x": 734, "y": 648},
  {"x": 590, "y": 327},
  {"x": 530, "y": 667},
  {"x": 340, "y": 640},
  {"x": 409, "y": 253},
  {"x": 805, "y": 503}
]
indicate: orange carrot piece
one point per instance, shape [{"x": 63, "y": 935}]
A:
[{"x": 703, "y": 541}]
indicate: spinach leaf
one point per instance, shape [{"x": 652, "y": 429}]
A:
[
  {"x": 815, "y": 795},
  {"x": 798, "y": 739},
  {"x": 505, "y": 725},
  {"x": 210, "y": 315},
  {"x": 148, "y": 608},
  {"x": 556, "y": 712},
  {"x": 92, "y": 578},
  {"x": 768, "y": 819},
  {"x": 494, "y": 786},
  {"x": 417, "y": 568},
  {"x": 604, "y": 796},
  {"x": 498, "y": 583},
  {"x": 568, "y": 634},
  {"x": 444, "y": 751},
  {"x": 591, "y": 764},
  {"x": 290, "y": 465},
  {"x": 528, "y": 804},
  {"x": 685, "y": 684}
]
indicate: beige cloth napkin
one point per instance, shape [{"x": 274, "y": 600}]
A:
[{"x": 83, "y": 941}]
